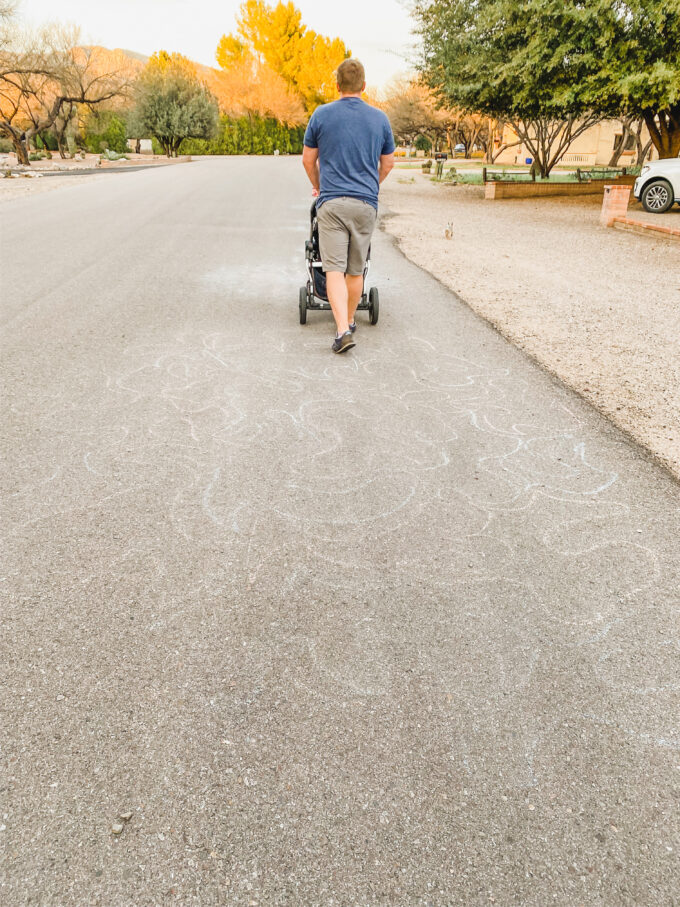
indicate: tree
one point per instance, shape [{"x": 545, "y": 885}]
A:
[
  {"x": 414, "y": 109},
  {"x": 640, "y": 67},
  {"x": 275, "y": 37},
  {"x": 8, "y": 10},
  {"x": 411, "y": 109},
  {"x": 529, "y": 63},
  {"x": 172, "y": 104},
  {"x": 552, "y": 67},
  {"x": 61, "y": 126},
  {"x": 631, "y": 136},
  {"x": 252, "y": 88},
  {"x": 43, "y": 74}
]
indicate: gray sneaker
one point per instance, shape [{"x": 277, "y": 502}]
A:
[
  {"x": 343, "y": 343},
  {"x": 352, "y": 326}
]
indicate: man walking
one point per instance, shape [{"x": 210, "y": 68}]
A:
[{"x": 349, "y": 150}]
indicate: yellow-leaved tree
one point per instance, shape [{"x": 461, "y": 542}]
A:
[
  {"x": 273, "y": 37},
  {"x": 164, "y": 63}
]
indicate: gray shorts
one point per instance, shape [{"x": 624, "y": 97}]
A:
[{"x": 345, "y": 230}]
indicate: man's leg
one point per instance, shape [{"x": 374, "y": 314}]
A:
[
  {"x": 338, "y": 296},
  {"x": 355, "y": 287},
  {"x": 334, "y": 243},
  {"x": 360, "y": 224}
]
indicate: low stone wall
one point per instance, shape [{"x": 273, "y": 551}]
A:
[
  {"x": 498, "y": 189},
  {"x": 645, "y": 228}
]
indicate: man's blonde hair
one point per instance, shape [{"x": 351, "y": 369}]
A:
[{"x": 351, "y": 76}]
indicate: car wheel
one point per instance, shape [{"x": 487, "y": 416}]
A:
[{"x": 657, "y": 197}]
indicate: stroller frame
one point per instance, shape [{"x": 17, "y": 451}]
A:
[{"x": 313, "y": 295}]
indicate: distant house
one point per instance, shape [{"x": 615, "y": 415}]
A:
[
  {"x": 145, "y": 145},
  {"x": 595, "y": 146}
]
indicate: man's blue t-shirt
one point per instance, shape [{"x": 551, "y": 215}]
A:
[{"x": 350, "y": 135}]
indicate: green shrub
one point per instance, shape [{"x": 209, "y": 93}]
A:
[
  {"x": 105, "y": 130},
  {"x": 47, "y": 141},
  {"x": 248, "y": 135}
]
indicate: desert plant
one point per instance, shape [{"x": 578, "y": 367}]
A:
[{"x": 172, "y": 104}]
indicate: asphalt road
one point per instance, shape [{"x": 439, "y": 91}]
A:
[{"x": 393, "y": 628}]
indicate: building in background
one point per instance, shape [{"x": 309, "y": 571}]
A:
[{"x": 594, "y": 147}]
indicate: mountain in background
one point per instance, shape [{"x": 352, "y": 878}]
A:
[
  {"x": 133, "y": 54},
  {"x": 241, "y": 90}
]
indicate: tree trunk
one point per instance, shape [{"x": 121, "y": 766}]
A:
[
  {"x": 59, "y": 133},
  {"x": 621, "y": 147},
  {"x": 642, "y": 150},
  {"x": 19, "y": 142},
  {"x": 548, "y": 140},
  {"x": 488, "y": 150},
  {"x": 47, "y": 151},
  {"x": 664, "y": 130}
]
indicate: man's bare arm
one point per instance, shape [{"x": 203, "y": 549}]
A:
[
  {"x": 310, "y": 161},
  {"x": 386, "y": 164}
]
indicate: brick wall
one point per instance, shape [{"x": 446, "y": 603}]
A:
[{"x": 495, "y": 190}]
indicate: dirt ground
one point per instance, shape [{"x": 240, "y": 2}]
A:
[
  {"x": 597, "y": 307},
  {"x": 21, "y": 187},
  {"x": 76, "y": 171}
]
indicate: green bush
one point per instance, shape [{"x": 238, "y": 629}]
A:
[
  {"x": 46, "y": 142},
  {"x": 422, "y": 143},
  {"x": 105, "y": 130},
  {"x": 248, "y": 135}
]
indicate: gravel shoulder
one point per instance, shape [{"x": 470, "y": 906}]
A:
[
  {"x": 596, "y": 307},
  {"x": 23, "y": 187},
  {"x": 48, "y": 175}
]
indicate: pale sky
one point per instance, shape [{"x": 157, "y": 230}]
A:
[{"x": 378, "y": 32}]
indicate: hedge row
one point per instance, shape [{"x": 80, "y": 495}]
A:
[{"x": 248, "y": 135}]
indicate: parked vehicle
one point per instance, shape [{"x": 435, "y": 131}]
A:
[{"x": 658, "y": 185}]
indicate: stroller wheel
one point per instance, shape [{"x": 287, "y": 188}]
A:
[
  {"x": 373, "y": 305},
  {"x": 303, "y": 305}
]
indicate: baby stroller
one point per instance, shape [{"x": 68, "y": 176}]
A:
[{"x": 313, "y": 295}]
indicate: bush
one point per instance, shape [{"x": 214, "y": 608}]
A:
[
  {"x": 105, "y": 130},
  {"x": 422, "y": 143},
  {"x": 248, "y": 135},
  {"x": 46, "y": 142}
]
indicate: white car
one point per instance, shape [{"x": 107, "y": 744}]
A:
[{"x": 658, "y": 185}]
